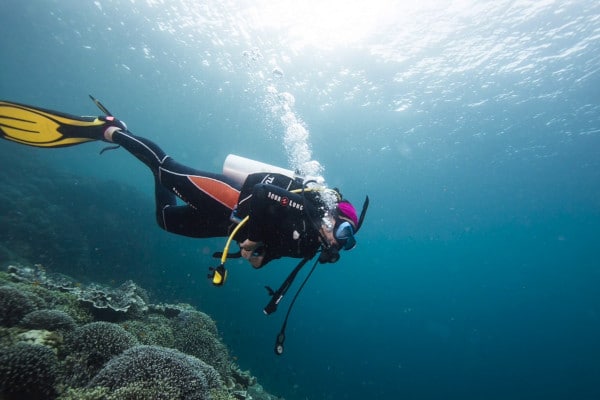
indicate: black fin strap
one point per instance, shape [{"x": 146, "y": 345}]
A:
[
  {"x": 100, "y": 106},
  {"x": 109, "y": 148}
]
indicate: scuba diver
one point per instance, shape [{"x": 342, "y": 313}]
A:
[
  {"x": 285, "y": 217},
  {"x": 270, "y": 212}
]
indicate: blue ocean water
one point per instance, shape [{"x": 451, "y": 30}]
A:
[{"x": 473, "y": 126}]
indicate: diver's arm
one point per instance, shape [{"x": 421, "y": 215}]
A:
[{"x": 248, "y": 250}]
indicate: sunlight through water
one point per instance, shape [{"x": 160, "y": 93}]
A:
[{"x": 408, "y": 57}]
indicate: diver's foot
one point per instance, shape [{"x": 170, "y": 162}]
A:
[
  {"x": 109, "y": 132},
  {"x": 113, "y": 126}
]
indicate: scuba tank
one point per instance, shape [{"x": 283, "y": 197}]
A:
[{"x": 238, "y": 168}]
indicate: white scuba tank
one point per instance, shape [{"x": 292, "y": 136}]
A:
[{"x": 238, "y": 168}]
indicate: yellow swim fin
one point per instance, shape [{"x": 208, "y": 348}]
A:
[{"x": 39, "y": 127}]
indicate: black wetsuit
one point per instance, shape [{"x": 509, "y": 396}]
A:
[{"x": 285, "y": 222}]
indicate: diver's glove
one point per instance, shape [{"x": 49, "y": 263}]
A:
[{"x": 218, "y": 275}]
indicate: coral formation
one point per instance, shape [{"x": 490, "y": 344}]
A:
[
  {"x": 52, "y": 320},
  {"x": 97, "y": 393},
  {"x": 106, "y": 303},
  {"x": 86, "y": 242},
  {"x": 241, "y": 378},
  {"x": 198, "y": 319},
  {"x": 41, "y": 337},
  {"x": 152, "y": 330},
  {"x": 196, "y": 334},
  {"x": 55, "y": 299},
  {"x": 92, "y": 345},
  {"x": 182, "y": 356},
  {"x": 170, "y": 310},
  {"x": 128, "y": 300},
  {"x": 221, "y": 394},
  {"x": 14, "y": 305},
  {"x": 179, "y": 375},
  {"x": 27, "y": 371}
]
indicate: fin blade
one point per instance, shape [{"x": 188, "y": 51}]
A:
[{"x": 45, "y": 128}]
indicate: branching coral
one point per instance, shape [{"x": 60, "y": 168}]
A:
[
  {"x": 153, "y": 330},
  {"x": 51, "y": 320},
  {"x": 14, "y": 305},
  {"x": 97, "y": 360},
  {"x": 92, "y": 345},
  {"x": 196, "y": 334},
  {"x": 27, "y": 371},
  {"x": 165, "y": 370}
]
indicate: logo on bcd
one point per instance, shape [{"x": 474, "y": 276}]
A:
[{"x": 285, "y": 201}]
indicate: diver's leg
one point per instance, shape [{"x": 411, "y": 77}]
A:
[
  {"x": 210, "y": 197},
  {"x": 188, "y": 221},
  {"x": 143, "y": 149}
]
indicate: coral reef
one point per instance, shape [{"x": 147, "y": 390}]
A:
[
  {"x": 169, "y": 310},
  {"x": 152, "y": 330},
  {"x": 171, "y": 372},
  {"x": 128, "y": 300},
  {"x": 97, "y": 393},
  {"x": 60, "y": 222},
  {"x": 49, "y": 335},
  {"x": 197, "y": 319},
  {"x": 42, "y": 337},
  {"x": 27, "y": 371},
  {"x": 52, "y": 320},
  {"x": 14, "y": 305},
  {"x": 195, "y": 333},
  {"x": 92, "y": 345},
  {"x": 106, "y": 303}
]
